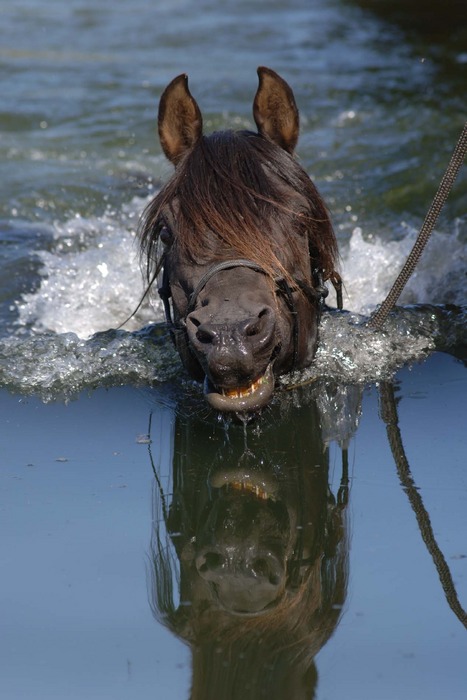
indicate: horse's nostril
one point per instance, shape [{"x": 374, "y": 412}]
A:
[
  {"x": 204, "y": 335},
  {"x": 267, "y": 569},
  {"x": 257, "y": 325},
  {"x": 210, "y": 562},
  {"x": 260, "y": 567},
  {"x": 252, "y": 329},
  {"x": 203, "y": 332}
]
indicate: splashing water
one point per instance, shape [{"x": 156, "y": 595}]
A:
[
  {"x": 90, "y": 282},
  {"x": 371, "y": 265},
  {"x": 58, "y": 366}
]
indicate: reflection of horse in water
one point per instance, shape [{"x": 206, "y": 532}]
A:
[{"x": 261, "y": 554}]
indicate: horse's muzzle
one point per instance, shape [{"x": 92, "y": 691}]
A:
[{"x": 237, "y": 359}]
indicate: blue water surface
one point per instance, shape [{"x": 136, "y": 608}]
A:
[{"x": 87, "y": 421}]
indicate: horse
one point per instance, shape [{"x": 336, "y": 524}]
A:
[{"x": 242, "y": 244}]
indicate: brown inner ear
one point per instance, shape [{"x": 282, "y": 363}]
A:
[
  {"x": 180, "y": 123},
  {"x": 275, "y": 111}
]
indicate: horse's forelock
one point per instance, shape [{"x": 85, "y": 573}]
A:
[{"x": 253, "y": 197}]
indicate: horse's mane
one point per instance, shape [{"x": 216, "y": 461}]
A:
[{"x": 241, "y": 187}]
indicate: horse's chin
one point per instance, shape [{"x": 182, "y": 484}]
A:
[{"x": 241, "y": 400}]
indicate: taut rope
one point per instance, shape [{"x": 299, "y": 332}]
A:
[{"x": 379, "y": 317}]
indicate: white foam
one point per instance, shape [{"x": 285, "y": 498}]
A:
[
  {"x": 91, "y": 279},
  {"x": 370, "y": 265}
]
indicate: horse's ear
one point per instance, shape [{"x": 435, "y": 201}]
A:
[
  {"x": 275, "y": 111},
  {"x": 179, "y": 121}
]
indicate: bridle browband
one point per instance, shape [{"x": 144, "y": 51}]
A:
[{"x": 316, "y": 294}]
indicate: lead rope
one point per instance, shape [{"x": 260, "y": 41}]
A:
[
  {"x": 379, "y": 317},
  {"x": 391, "y": 419}
]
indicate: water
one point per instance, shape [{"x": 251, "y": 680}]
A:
[{"x": 381, "y": 108}]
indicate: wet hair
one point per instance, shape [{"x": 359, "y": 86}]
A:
[{"x": 238, "y": 194}]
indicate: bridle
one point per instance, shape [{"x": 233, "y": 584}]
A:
[{"x": 315, "y": 294}]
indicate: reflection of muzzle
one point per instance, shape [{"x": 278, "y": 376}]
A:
[
  {"x": 243, "y": 550},
  {"x": 245, "y": 579}
]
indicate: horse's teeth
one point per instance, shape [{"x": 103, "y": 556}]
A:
[
  {"x": 241, "y": 392},
  {"x": 251, "y": 488}
]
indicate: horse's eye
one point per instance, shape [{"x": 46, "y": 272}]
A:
[{"x": 165, "y": 236}]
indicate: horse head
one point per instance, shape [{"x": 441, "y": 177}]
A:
[{"x": 243, "y": 243}]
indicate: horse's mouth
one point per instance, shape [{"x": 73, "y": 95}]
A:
[{"x": 241, "y": 399}]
